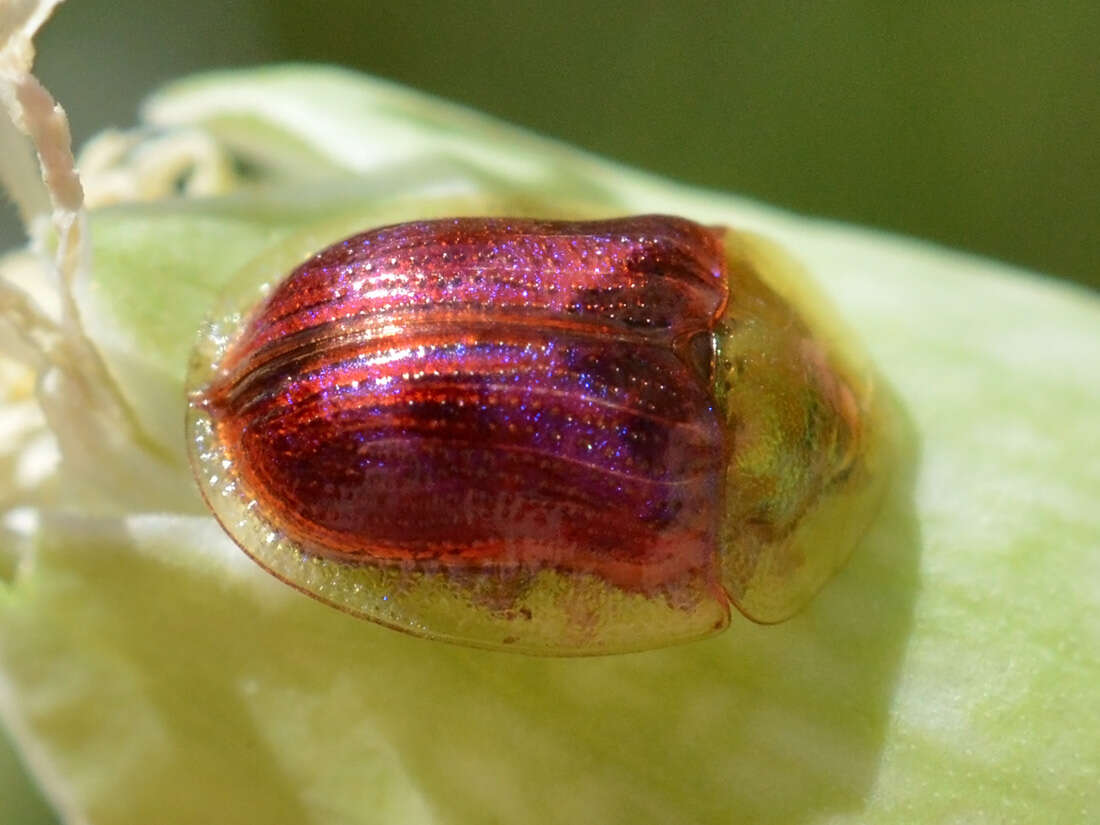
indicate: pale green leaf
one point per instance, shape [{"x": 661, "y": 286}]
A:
[{"x": 948, "y": 674}]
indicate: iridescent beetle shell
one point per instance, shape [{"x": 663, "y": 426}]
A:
[{"x": 547, "y": 436}]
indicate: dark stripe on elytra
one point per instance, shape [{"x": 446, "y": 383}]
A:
[
  {"x": 477, "y": 326},
  {"x": 667, "y": 256},
  {"x": 250, "y": 382}
]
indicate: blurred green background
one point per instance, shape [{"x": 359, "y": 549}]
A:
[{"x": 973, "y": 123}]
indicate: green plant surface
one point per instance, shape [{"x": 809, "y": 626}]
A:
[{"x": 948, "y": 674}]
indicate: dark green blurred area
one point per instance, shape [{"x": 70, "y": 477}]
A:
[{"x": 972, "y": 123}]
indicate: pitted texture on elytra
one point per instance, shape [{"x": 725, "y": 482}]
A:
[{"x": 472, "y": 392}]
